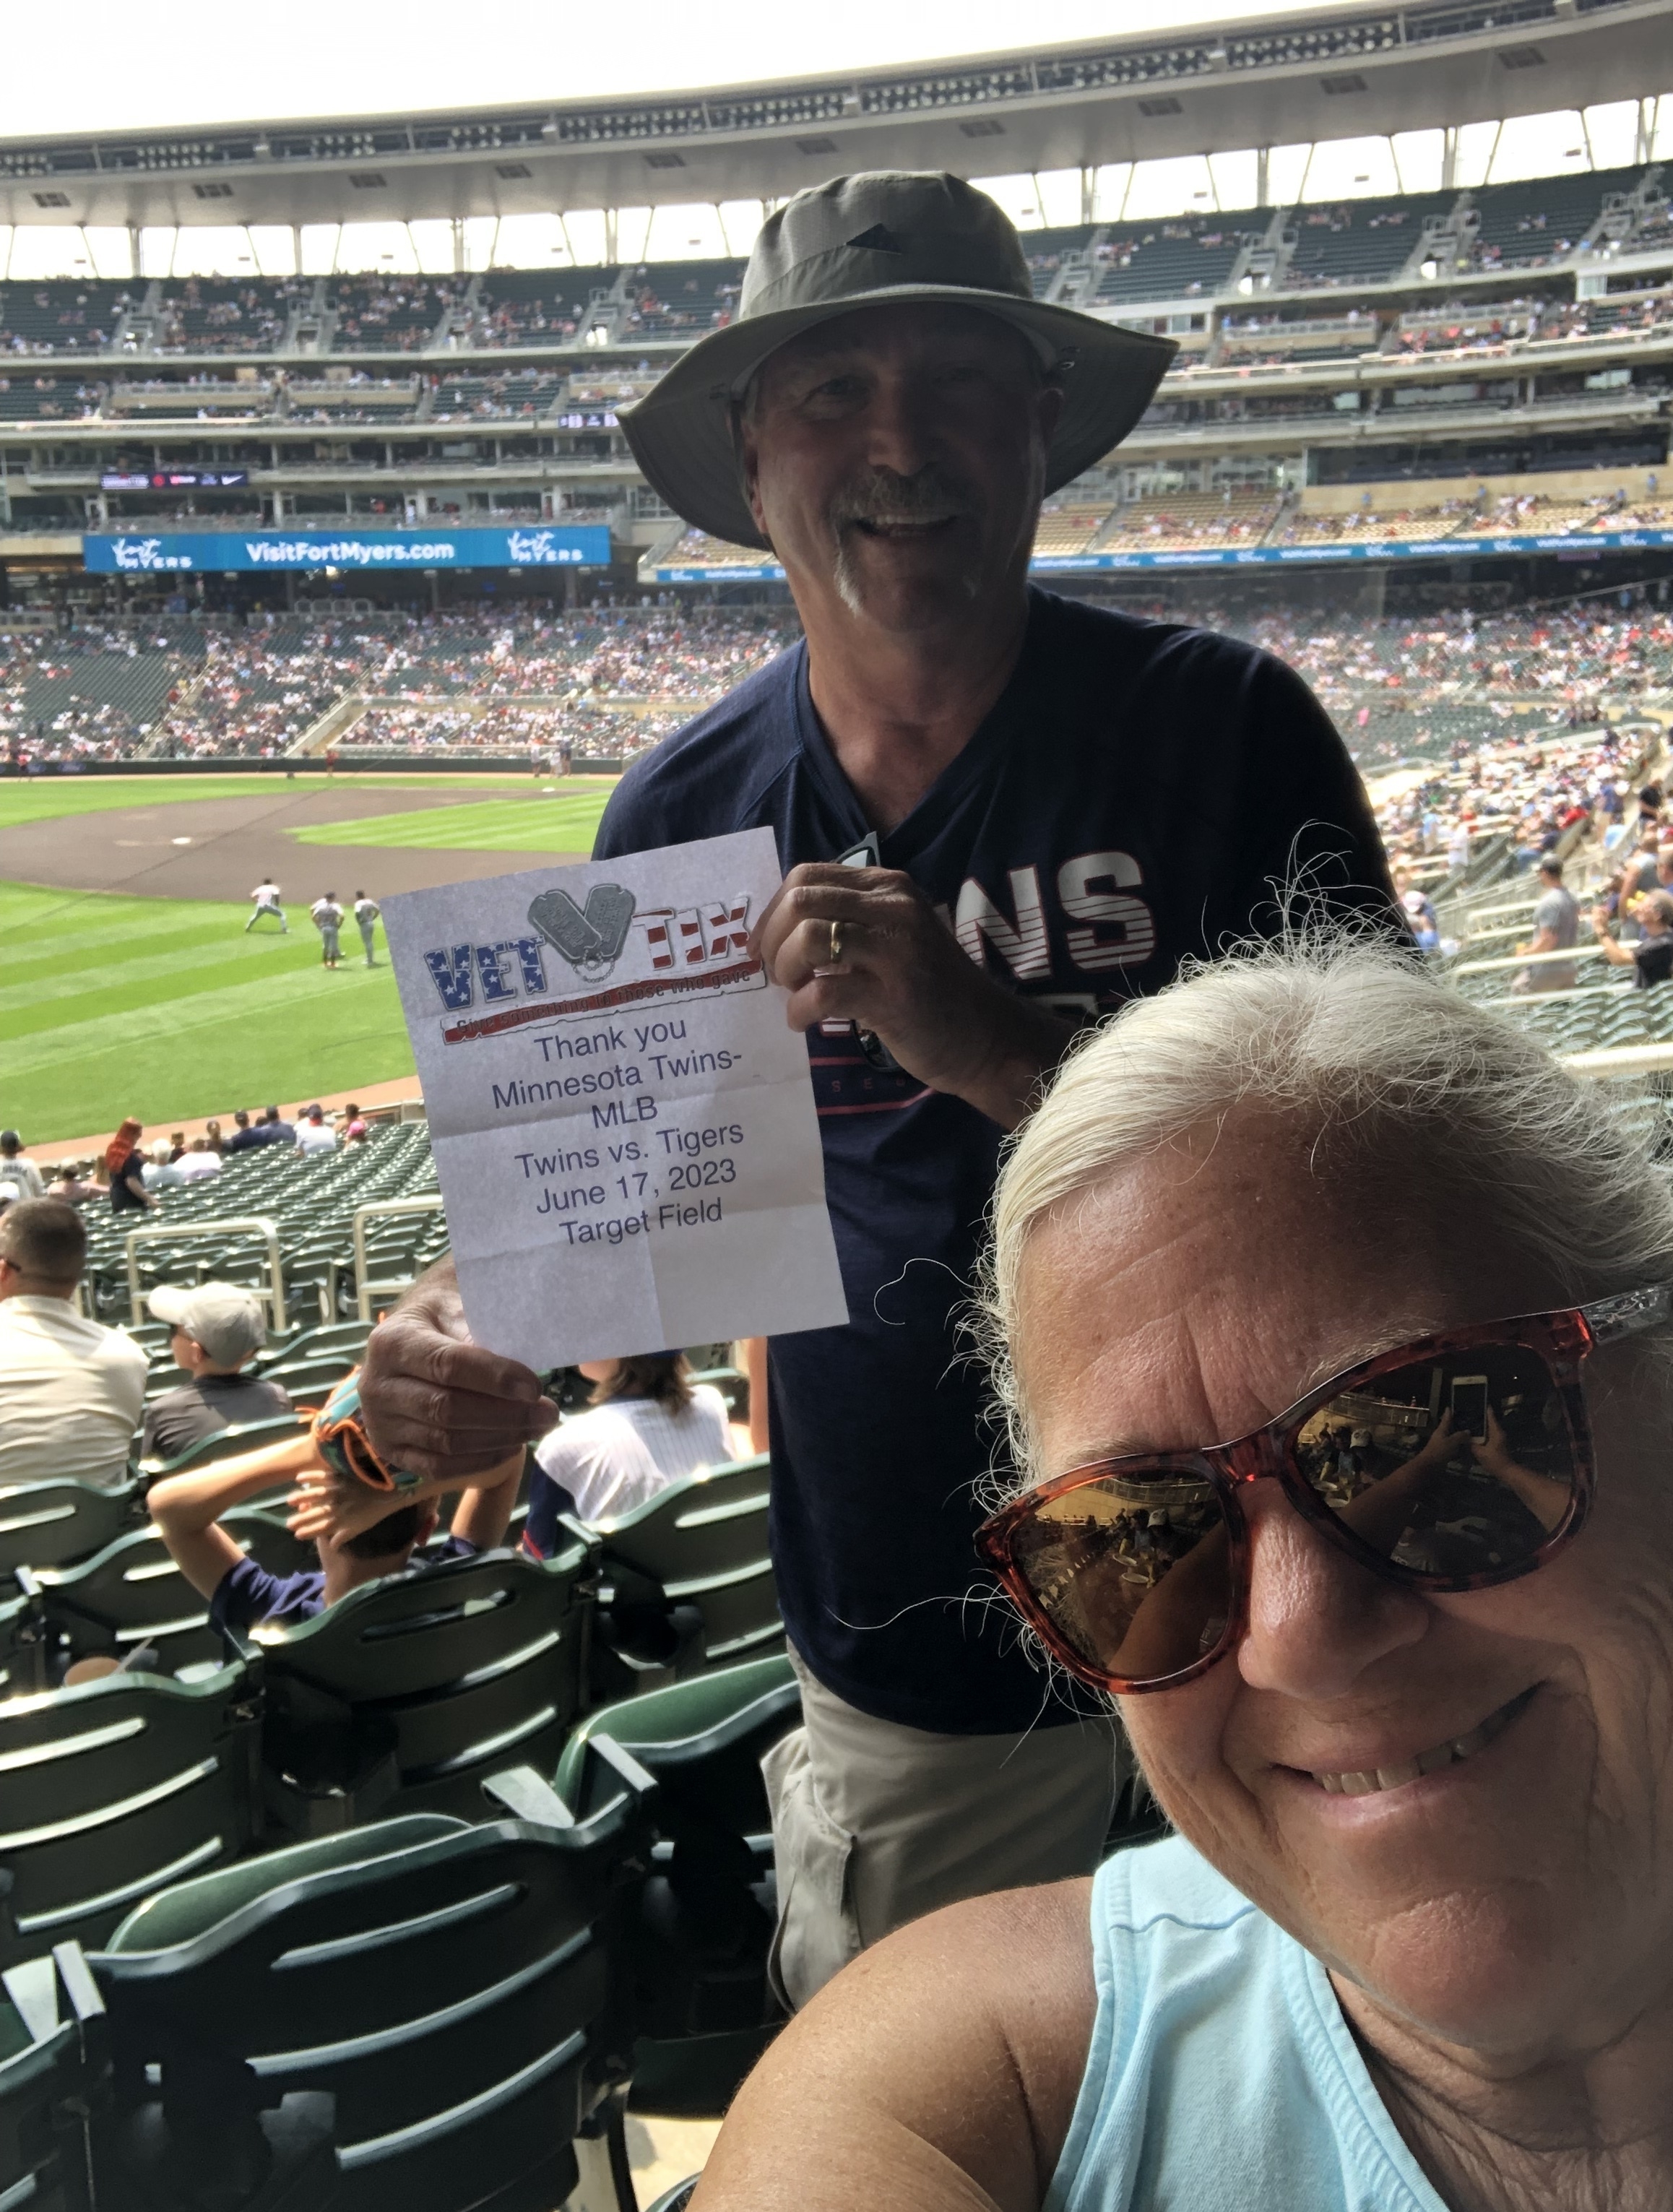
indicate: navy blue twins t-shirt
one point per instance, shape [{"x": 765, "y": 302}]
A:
[{"x": 1141, "y": 793}]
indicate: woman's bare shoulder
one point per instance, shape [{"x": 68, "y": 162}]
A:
[{"x": 936, "y": 2074}]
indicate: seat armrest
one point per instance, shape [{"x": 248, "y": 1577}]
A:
[
  {"x": 624, "y": 1771},
  {"x": 527, "y": 1795}
]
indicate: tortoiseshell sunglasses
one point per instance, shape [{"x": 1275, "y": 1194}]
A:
[{"x": 1451, "y": 1464}]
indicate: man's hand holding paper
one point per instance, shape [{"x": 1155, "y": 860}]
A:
[{"x": 623, "y": 1125}]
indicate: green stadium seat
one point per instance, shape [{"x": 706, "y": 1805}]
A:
[
  {"x": 25, "y": 1640},
  {"x": 48, "y": 1524},
  {"x": 733, "y": 1385},
  {"x": 54, "y": 2062},
  {"x": 704, "y": 2009},
  {"x": 225, "y": 1443},
  {"x": 132, "y": 1593},
  {"x": 451, "y": 1986},
  {"x": 112, "y": 1790},
  {"x": 686, "y": 1582},
  {"x": 406, "y": 1693}
]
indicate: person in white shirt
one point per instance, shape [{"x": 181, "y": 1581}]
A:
[
  {"x": 315, "y": 1133},
  {"x": 647, "y": 1426},
  {"x": 265, "y": 896},
  {"x": 198, "y": 1163},
  {"x": 71, "y": 1392},
  {"x": 328, "y": 919},
  {"x": 159, "y": 1172},
  {"x": 365, "y": 919},
  {"x": 16, "y": 1166}
]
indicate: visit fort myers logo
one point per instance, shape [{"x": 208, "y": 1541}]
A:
[{"x": 619, "y": 954}]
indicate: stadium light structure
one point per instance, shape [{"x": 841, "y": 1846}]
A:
[
  {"x": 1435, "y": 158},
  {"x": 1303, "y": 81}
]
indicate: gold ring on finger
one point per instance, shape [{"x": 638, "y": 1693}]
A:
[{"x": 836, "y": 942}]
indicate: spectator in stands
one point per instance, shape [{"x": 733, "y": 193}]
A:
[
  {"x": 126, "y": 1170},
  {"x": 1013, "y": 760},
  {"x": 16, "y": 1166},
  {"x": 1409, "y": 1943},
  {"x": 351, "y": 1125},
  {"x": 271, "y": 1130},
  {"x": 1556, "y": 929},
  {"x": 177, "y": 1148},
  {"x": 216, "y": 1331},
  {"x": 327, "y": 916},
  {"x": 314, "y": 1134},
  {"x": 1419, "y": 910},
  {"x": 74, "y": 1183},
  {"x": 70, "y": 1390},
  {"x": 187, "y": 1508},
  {"x": 1652, "y": 957},
  {"x": 213, "y": 1138},
  {"x": 160, "y": 1171},
  {"x": 199, "y": 1163},
  {"x": 243, "y": 1139},
  {"x": 647, "y": 1426}
]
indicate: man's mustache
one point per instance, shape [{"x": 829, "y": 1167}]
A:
[{"x": 882, "y": 496}]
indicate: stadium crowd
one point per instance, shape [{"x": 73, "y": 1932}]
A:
[
  {"x": 1402, "y": 690},
  {"x": 217, "y": 690}
]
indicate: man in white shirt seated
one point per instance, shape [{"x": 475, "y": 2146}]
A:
[
  {"x": 71, "y": 1392},
  {"x": 160, "y": 1171},
  {"x": 16, "y": 1167},
  {"x": 315, "y": 1133},
  {"x": 198, "y": 1163}
]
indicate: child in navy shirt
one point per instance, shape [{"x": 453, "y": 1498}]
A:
[{"x": 187, "y": 1509}]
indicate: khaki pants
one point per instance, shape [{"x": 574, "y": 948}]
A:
[{"x": 875, "y": 1825}]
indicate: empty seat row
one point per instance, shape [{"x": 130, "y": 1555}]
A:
[{"x": 429, "y": 2014}]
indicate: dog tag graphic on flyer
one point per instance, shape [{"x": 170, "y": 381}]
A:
[{"x": 623, "y": 1121}]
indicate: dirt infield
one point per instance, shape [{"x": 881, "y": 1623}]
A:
[{"x": 219, "y": 848}]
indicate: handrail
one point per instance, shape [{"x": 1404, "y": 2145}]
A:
[
  {"x": 1604, "y": 1060},
  {"x": 1526, "y": 960},
  {"x": 383, "y": 1207},
  {"x": 259, "y": 1225}
]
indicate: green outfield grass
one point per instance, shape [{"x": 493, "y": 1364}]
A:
[
  {"x": 163, "y": 1008},
  {"x": 563, "y": 823},
  {"x": 41, "y": 798}
]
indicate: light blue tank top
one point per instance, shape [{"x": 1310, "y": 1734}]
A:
[{"x": 1221, "y": 2075}]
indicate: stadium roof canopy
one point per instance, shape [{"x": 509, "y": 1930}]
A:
[{"x": 1336, "y": 73}]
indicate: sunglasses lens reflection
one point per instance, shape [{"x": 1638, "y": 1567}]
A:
[
  {"x": 1449, "y": 1468},
  {"x": 1133, "y": 1573}
]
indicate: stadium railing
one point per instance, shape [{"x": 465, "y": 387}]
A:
[
  {"x": 383, "y": 1209},
  {"x": 224, "y": 1226}
]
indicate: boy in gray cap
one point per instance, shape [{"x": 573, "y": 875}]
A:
[{"x": 218, "y": 1329}]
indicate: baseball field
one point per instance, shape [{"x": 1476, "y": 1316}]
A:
[{"x": 132, "y": 986}]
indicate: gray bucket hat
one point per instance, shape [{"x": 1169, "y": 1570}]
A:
[{"x": 871, "y": 241}]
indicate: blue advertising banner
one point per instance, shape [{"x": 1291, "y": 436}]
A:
[
  {"x": 1254, "y": 556},
  {"x": 537, "y": 546},
  {"x": 1381, "y": 549}
]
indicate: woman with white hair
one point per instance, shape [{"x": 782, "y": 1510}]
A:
[{"x": 1333, "y": 1321}]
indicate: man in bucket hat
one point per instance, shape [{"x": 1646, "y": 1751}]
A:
[{"x": 1000, "y": 814}]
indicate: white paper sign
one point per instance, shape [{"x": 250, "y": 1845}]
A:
[{"x": 622, "y": 1120}]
